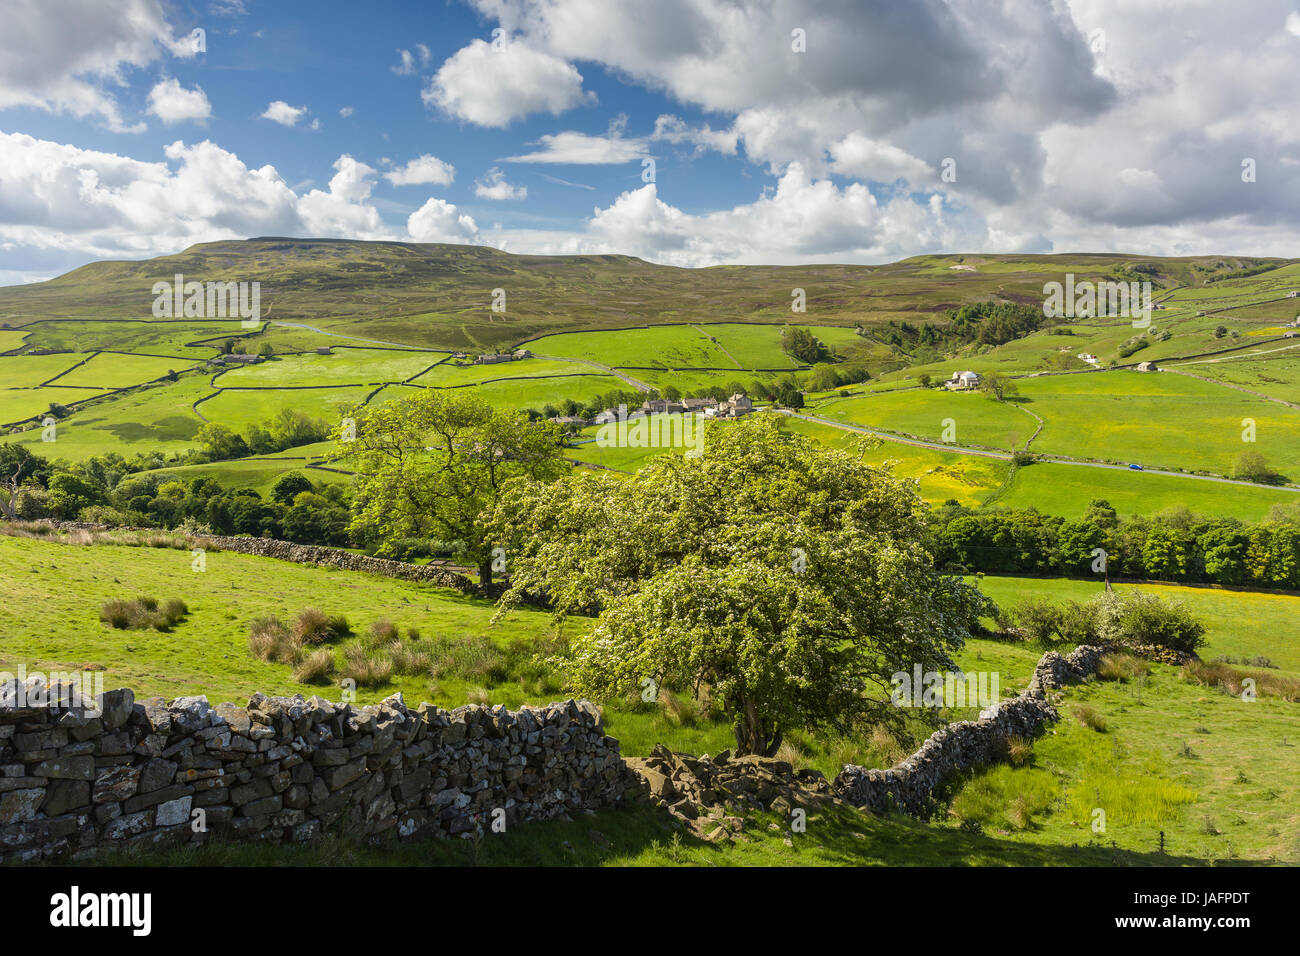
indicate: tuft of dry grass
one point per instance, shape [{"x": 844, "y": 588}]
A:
[
  {"x": 1090, "y": 717},
  {"x": 1019, "y": 751},
  {"x": 1122, "y": 667},
  {"x": 1234, "y": 681},
  {"x": 315, "y": 668},
  {"x": 366, "y": 667},
  {"x": 270, "y": 640},
  {"x": 143, "y": 613}
]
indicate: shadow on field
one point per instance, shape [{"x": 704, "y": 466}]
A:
[{"x": 642, "y": 835}]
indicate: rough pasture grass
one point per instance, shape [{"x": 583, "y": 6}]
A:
[
  {"x": 1158, "y": 419},
  {"x": 1066, "y": 490},
  {"x": 1218, "y": 775},
  {"x": 1273, "y": 373}
]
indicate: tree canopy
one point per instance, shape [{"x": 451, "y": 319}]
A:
[
  {"x": 786, "y": 580},
  {"x": 432, "y": 464}
]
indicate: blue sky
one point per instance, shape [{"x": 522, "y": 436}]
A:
[{"x": 523, "y": 124}]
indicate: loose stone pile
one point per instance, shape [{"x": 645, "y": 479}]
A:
[
  {"x": 700, "y": 791},
  {"x": 73, "y": 781}
]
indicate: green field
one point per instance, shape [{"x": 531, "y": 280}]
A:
[
  {"x": 925, "y": 413},
  {"x": 19, "y": 404},
  {"x": 345, "y": 366},
  {"x": 1162, "y": 420},
  {"x": 109, "y": 370}
]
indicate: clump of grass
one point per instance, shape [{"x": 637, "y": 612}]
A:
[
  {"x": 366, "y": 667},
  {"x": 143, "y": 613},
  {"x": 471, "y": 658},
  {"x": 314, "y": 626},
  {"x": 1089, "y": 716},
  {"x": 478, "y": 696},
  {"x": 1019, "y": 751},
  {"x": 315, "y": 668},
  {"x": 381, "y": 632},
  {"x": 1121, "y": 667},
  {"x": 270, "y": 640},
  {"x": 1233, "y": 681},
  {"x": 410, "y": 660}
]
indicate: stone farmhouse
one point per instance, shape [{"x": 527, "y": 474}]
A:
[
  {"x": 735, "y": 407},
  {"x": 499, "y": 357},
  {"x": 963, "y": 381}
]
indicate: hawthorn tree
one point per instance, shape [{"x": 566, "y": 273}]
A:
[
  {"x": 431, "y": 465},
  {"x": 787, "y": 580}
]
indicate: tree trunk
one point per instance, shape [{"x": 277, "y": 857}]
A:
[{"x": 485, "y": 574}]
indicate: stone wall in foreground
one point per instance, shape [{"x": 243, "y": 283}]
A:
[
  {"x": 909, "y": 785},
  {"x": 73, "y": 782}
]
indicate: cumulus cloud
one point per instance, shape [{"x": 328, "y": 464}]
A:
[
  {"x": 491, "y": 86},
  {"x": 423, "y": 169},
  {"x": 64, "y": 56},
  {"x": 281, "y": 112},
  {"x": 346, "y": 111},
  {"x": 172, "y": 103},
  {"x": 439, "y": 221},
  {"x": 493, "y": 185}
]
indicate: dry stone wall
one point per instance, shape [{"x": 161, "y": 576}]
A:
[
  {"x": 303, "y": 554},
  {"x": 75, "y": 780},
  {"x": 910, "y": 785}
]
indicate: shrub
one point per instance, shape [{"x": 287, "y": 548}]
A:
[
  {"x": 1137, "y": 618},
  {"x": 1036, "y": 619},
  {"x": 381, "y": 632}
]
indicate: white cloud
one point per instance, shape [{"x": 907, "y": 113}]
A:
[
  {"x": 439, "y": 221},
  {"x": 346, "y": 111},
  {"x": 493, "y": 185},
  {"x": 172, "y": 103},
  {"x": 583, "y": 149},
  {"x": 1293, "y": 23},
  {"x": 674, "y": 129},
  {"x": 281, "y": 112},
  {"x": 421, "y": 170},
  {"x": 405, "y": 64},
  {"x": 62, "y": 55},
  {"x": 493, "y": 87}
]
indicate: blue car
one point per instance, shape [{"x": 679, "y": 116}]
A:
[{"x": 1136, "y": 467}]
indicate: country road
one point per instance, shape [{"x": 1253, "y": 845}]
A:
[{"x": 1055, "y": 459}]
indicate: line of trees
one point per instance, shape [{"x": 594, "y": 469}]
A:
[{"x": 1173, "y": 545}]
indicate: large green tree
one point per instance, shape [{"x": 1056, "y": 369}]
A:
[
  {"x": 786, "y": 579},
  {"x": 431, "y": 465}
]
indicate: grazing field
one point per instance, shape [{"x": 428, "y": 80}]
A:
[
  {"x": 669, "y": 346},
  {"x": 1274, "y": 372},
  {"x": 1162, "y": 420},
  {"x": 119, "y": 370},
  {"x": 26, "y": 371},
  {"x": 976, "y": 418},
  {"x": 457, "y": 376},
  {"x": 344, "y": 366},
  {"x": 1239, "y": 623},
  {"x": 1066, "y": 490},
  {"x": 11, "y": 339},
  {"x": 242, "y": 407},
  {"x": 20, "y": 404}
]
